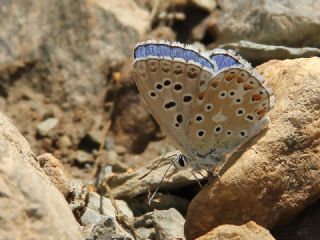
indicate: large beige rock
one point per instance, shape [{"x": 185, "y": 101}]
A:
[
  {"x": 280, "y": 175},
  {"x": 248, "y": 231},
  {"x": 31, "y": 207}
]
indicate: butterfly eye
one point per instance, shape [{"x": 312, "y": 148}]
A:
[{"x": 181, "y": 161}]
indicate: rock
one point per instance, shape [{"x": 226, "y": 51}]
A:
[
  {"x": 129, "y": 185},
  {"x": 45, "y": 51},
  {"x": 111, "y": 158},
  {"x": 260, "y": 53},
  {"x": 109, "y": 229},
  {"x": 64, "y": 142},
  {"x": 78, "y": 198},
  {"x": 208, "y": 5},
  {"x": 28, "y": 198},
  {"x": 278, "y": 177},
  {"x": 161, "y": 224},
  {"x": 248, "y": 231},
  {"x": 146, "y": 233},
  {"x": 82, "y": 158},
  {"x": 46, "y": 126},
  {"x": 161, "y": 201},
  {"x": 304, "y": 226},
  {"x": 54, "y": 170},
  {"x": 270, "y": 22},
  {"x": 93, "y": 214},
  {"x": 168, "y": 224}
]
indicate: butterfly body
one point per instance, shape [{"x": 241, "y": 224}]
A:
[{"x": 208, "y": 103}]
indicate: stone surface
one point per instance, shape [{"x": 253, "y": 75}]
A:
[
  {"x": 54, "y": 170},
  {"x": 279, "y": 176},
  {"x": 304, "y": 227},
  {"x": 258, "y": 53},
  {"x": 31, "y": 206},
  {"x": 109, "y": 229},
  {"x": 248, "y": 231},
  {"x": 46, "y": 126},
  {"x": 168, "y": 224},
  {"x": 93, "y": 214},
  {"x": 288, "y": 22}
]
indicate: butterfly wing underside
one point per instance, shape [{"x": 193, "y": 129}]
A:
[
  {"x": 208, "y": 103},
  {"x": 229, "y": 111},
  {"x": 168, "y": 85}
]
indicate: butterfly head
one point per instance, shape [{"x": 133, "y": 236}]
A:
[{"x": 181, "y": 161}]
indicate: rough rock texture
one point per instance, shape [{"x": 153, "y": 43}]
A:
[
  {"x": 248, "y": 231},
  {"x": 280, "y": 175},
  {"x": 54, "y": 170},
  {"x": 304, "y": 227},
  {"x": 56, "y": 59},
  {"x": 109, "y": 229},
  {"x": 289, "y": 22},
  {"x": 168, "y": 224},
  {"x": 93, "y": 213},
  {"x": 72, "y": 40},
  {"x": 31, "y": 206}
]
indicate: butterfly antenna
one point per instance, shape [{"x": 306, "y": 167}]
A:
[
  {"x": 155, "y": 192},
  {"x": 198, "y": 180}
]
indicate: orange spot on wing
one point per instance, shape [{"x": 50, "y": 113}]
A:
[
  {"x": 240, "y": 80},
  {"x": 256, "y": 97},
  {"x": 247, "y": 86},
  {"x": 201, "y": 95},
  {"x": 214, "y": 84}
]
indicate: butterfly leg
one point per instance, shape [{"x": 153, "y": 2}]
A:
[{"x": 198, "y": 180}]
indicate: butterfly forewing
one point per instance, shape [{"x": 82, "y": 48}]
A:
[{"x": 168, "y": 87}]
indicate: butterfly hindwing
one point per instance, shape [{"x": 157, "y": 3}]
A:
[{"x": 230, "y": 112}]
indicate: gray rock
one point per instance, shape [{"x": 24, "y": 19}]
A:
[
  {"x": 44, "y": 128},
  {"x": 78, "y": 198},
  {"x": 81, "y": 158},
  {"x": 259, "y": 53},
  {"x": 288, "y": 22},
  {"x": 28, "y": 198},
  {"x": 169, "y": 224},
  {"x": 98, "y": 209},
  {"x": 161, "y": 224},
  {"x": 147, "y": 233},
  {"x": 109, "y": 229}
]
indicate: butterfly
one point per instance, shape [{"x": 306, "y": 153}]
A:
[{"x": 209, "y": 103}]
